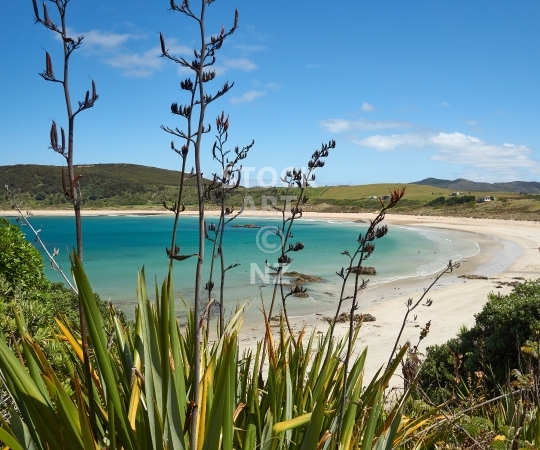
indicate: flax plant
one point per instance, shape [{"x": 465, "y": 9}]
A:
[
  {"x": 291, "y": 211},
  {"x": 218, "y": 190},
  {"x": 356, "y": 259},
  {"x": 142, "y": 379},
  {"x": 194, "y": 113},
  {"x": 70, "y": 181}
]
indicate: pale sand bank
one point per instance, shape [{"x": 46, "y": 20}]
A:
[{"x": 508, "y": 249}]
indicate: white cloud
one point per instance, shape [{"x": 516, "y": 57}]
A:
[
  {"x": 445, "y": 104},
  {"x": 273, "y": 86},
  {"x": 367, "y": 107},
  {"x": 472, "y": 122},
  {"x": 111, "y": 47},
  {"x": 105, "y": 41},
  {"x": 458, "y": 148},
  {"x": 143, "y": 65},
  {"x": 386, "y": 143},
  {"x": 247, "y": 97},
  {"x": 504, "y": 162},
  {"x": 100, "y": 41},
  {"x": 140, "y": 65},
  {"x": 341, "y": 125},
  {"x": 177, "y": 49},
  {"x": 225, "y": 64}
]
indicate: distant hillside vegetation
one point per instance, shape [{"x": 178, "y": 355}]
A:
[
  {"x": 105, "y": 184},
  {"x": 110, "y": 178},
  {"x": 130, "y": 186},
  {"x": 461, "y": 184}
]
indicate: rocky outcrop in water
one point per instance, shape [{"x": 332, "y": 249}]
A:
[{"x": 301, "y": 278}]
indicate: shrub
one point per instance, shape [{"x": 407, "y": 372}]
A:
[
  {"x": 24, "y": 286},
  {"x": 439, "y": 201},
  {"x": 493, "y": 344},
  {"x": 460, "y": 200},
  {"x": 21, "y": 264}
]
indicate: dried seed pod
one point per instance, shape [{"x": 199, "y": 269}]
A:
[
  {"x": 46, "y": 18},
  {"x": 186, "y": 85},
  {"x": 369, "y": 248},
  {"x": 54, "y": 136},
  {"x": 162, "y": 42},
  {"x": 48, "y": 66},
  {"x": 36, "y": 11},
  {"x": 236, "y": 19},
  {"x": 63, "y": 139},
  {"x": 64, "y": 184},
  {"x": 94, "y": 93},
  {"x": 381, "y": 231},
  {"x": 284, "y": 259}
]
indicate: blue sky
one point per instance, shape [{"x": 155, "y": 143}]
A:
[{"x": 408, "y": 89}]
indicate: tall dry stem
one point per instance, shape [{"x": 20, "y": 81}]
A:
[
  {"x": 205, "y": 57},
  {"x": 218, "y": 191},
  {"x": 70, "y": 181}
]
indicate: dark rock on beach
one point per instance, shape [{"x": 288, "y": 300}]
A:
[
  {"x": 364, "y": 270},
  {"x": 345, "y": 317},
  {"x": 473, "y": 277}
]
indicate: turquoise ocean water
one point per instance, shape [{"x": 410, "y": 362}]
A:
[{"x": 115, "y": 247}]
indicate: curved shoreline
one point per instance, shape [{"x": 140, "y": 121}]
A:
[{"x": 508, "y": 249}]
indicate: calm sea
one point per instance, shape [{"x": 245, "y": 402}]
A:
[{"x": 115, "y": 247}]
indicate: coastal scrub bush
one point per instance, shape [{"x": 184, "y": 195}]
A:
[
  {"x": 439, "y": 201},
  {"x": 21, "y": 264},
  {"x": 460, "y": 200},
  {"x": 25, "y": 287},
  {"x": 492, "y": 346}
]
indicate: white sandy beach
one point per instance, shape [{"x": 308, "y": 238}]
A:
[{"x": 508, "y": 250}]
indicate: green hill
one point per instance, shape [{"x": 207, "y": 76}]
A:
[
  {"x": 110, "y": 179},
  {"x": 130, "y": 186},
  {"x": 461, "y": 184},
  {"x": 103, "y": 185}
]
